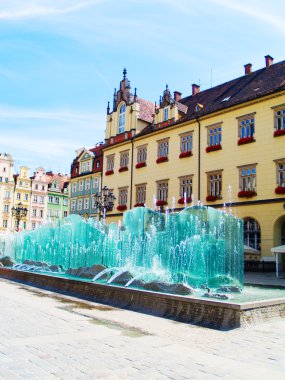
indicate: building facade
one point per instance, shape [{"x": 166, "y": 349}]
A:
[
  {"x": 38, "y": 202},
  {"x": 224, "y": 147},
  {"x": 85, "y": 181},
  {"x": 22, "y": 194},
  {"x": 57, "y": 196},
  {"x": 6, "y": 191}
]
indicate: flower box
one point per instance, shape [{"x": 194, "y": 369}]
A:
[
  {"x": 109, "y": 172},
  {"x": 185, "y": 154},
  {"x": 211, "y": 198},
  {"x": 122, "y": 207},
  {"x": 245, "y": 140},
  {"x": 161, "y": 159},
  {"x": 160, "y": 202},
  {"x": 213, "y": 148},
  {"x": 247, "y": 194},
  {"x": 139, "y": 205},
  {"x": 280, "y": 190},
  {"x": 140, "y": 165},
  {"x": 181, "y": 201},
  {"x": 123, "y": 169},
  {"x": 279, "y": 132}
]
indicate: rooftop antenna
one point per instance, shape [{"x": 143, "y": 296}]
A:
[{"x": 211, "y": 77}]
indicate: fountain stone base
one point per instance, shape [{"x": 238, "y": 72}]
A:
[{"x": 204, "y": 312}]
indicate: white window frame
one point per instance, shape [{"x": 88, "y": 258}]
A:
[
  {"x": 123, "y": 196},
  {"x": 163, "y": 148},
  {"x": 141, "y": 154},
  {"x": 247, "y": 178},
  {"x": 215, "y": 184},
  {"x": 141, "y": 193},
  {"x": 122, "y": 118},
  {"x": 186, "y": 186},
  {"x": 162, "y": 190}
]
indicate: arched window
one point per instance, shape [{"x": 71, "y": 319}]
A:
[
  {"x": 252, "y": 233},
  {"x": 122, "y": 118},
  {"x": 165, "y": 116}
]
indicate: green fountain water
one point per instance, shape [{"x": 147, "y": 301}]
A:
[{"x": 197, "y": 246}]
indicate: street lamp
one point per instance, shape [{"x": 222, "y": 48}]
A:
[
  {"x": 104, "y": 201},
  {"x": 19, "y": 213}
]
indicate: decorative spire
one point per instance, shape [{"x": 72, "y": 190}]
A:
[
  {"x": 124, "y": 73},
  {"x": 115, "y": 100},
  {"x": 166, "y": 86},
  {"x": 135, "y": 95},
  {"x": 108, "y": 108}
]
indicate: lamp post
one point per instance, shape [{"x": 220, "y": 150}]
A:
[
  {"x": 19, "y": 213},
  {"x": 104, "y": 201}
]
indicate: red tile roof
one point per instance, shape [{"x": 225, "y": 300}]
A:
[
  {"x": 146, "y": 110},
  {"x": 257, "y": 84}
]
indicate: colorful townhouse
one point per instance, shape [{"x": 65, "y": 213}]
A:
[
  {"x": 22, "y": 195},
  {"x": 57, "y": 196},
  {"x": 6, "y": 191},
  {"x": 85, "y": 181},
  {"x": 38, "y": 199},
  {"x": 223, "y": 147}
]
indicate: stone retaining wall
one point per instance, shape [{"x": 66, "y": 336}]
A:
[{"x": 208, "y": 313}]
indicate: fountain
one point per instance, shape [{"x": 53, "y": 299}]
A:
[
  {"x": 144, "y": 263},
  {"x": 199, "y": 246}
]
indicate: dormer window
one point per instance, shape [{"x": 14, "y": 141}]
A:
[
  {"x": 122, "y": 118},
  {"x": 165, "y": 114}
]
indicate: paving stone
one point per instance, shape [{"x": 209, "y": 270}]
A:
[{"x": 44, "y": 339}]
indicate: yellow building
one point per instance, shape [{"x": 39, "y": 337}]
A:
[
  {"x": 22, "y": 194},
  {"x": 6, "y": 191},
  {"x": 224, "y": 147}
]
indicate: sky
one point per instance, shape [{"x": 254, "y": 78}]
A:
[{"x": 60, "y": 61}]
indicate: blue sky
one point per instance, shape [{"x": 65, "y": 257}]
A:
[{"x": 61, "y": 59}]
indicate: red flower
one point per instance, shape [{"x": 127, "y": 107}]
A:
[
  {"x": 245, "y": 140},
  {"x": 211, "y": 198},
  {"x": 161, "y": 159},
  {"x": 181, "y": 201},
  {"x": 160, "y": 202},
  {"x": 279, "y": 132},
  {"x": 212, "y": 148},
  {"x": 185, "y": 154},
  {"x": 139, "y": 205},
  {"x": 109, "y": 172},
  {"x": 247, "y": 194},
  {"x": 140, "y": 165},
  {"x": 280, "y": 190},
  {"x": 122, "y": 207},
  {"x": 123, "y": 169}
]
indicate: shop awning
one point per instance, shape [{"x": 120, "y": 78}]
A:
[{"x": 278, "y": 251}]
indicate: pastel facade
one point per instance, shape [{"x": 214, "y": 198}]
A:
[
  {"x": 57, "y": 196},
  {"x": 6, "y": 191},
  {"x": 38, "y": 204},
  {"x": 224, "y": 145},
  {"x": 22, "y": 194},
  {"x": 85, "y": 181}
]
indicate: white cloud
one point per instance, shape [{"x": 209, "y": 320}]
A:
[
  {"x": 20, "y": 10},
  {"x": 48, "y": 138},
  {"x": 9, "y": 112},
  {"x": 256, "y": 10}
]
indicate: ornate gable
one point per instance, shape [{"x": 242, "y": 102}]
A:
[{"x": 123, "y": 94}]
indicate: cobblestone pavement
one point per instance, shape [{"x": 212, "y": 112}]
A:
[{"x": 44, "y": 335}]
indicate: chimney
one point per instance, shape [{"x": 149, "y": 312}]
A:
[
  {"x": 268, "y": 60},
  {"x": 195, "y": 89},
  {"x": 177, "y": 95},
  {"x": 247, "y": 68}
]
